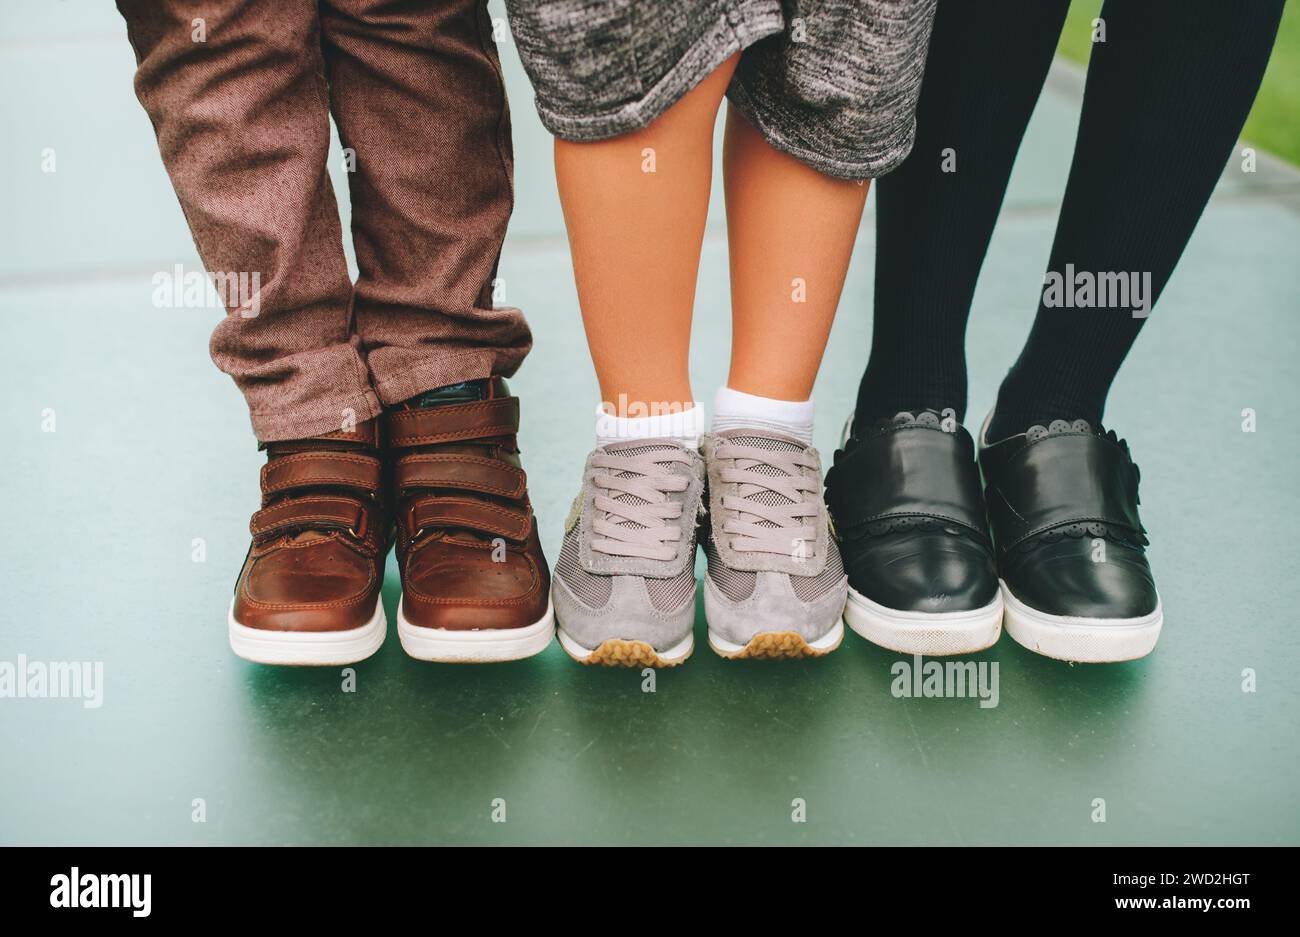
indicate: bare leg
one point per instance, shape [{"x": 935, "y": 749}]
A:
[
  {"x": 635, "y": 208},
  {"x": 791, "y": 231}
]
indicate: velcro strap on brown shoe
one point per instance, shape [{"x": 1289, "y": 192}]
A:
[
  {"x": 466, "y": 472},
  {"x": 453, "y": 422},
  {"x": 362, "y": 436},
  {"x": 314, "y": 469},
  {"x": 365, "y": 433},
  {"x": 470, "y": 514},
  {"x": 319, "y": 512}
]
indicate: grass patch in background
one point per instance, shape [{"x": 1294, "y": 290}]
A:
[{"x": 1274, "y": 122}]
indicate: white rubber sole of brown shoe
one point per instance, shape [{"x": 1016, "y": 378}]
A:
[
  {"x": 486, "y": 646},
  {"x": 307, "y": 648},
  {"x": 928, "y": 633}
]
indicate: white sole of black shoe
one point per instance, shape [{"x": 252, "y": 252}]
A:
[
  {"x": 935, "y": 634},
  {"x": 1082, "y": 640}
]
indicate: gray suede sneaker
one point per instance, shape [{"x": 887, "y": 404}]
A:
[
  {"x": 624, "y": 585},
  {"x": 776, "y": 585}
]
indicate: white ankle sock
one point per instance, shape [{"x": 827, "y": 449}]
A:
[
  {"x": 735, "y": 409},
  {"x": 684, "y": 426}
]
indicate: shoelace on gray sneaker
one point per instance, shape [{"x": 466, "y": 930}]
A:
[
  {"x": 770, "y": 510},
  {"x": 633, "y": 520}
]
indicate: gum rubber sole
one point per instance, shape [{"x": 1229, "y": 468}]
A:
[
  {"x": 617, "y": 653},
  {"x": 622, "y": 652},
  {"x": 778, "y": 645}
]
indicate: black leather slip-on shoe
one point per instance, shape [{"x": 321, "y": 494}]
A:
[
  {"x": 904, "y": 496},
  {"x": 1071, "y": 550}
]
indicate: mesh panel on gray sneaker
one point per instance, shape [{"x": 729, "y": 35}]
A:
[
  {"x": 812, "y": 588},
  {"x": 735, "y": 584},
  {"x": 669, "y": 594},
  {"x": 592, "y": 591},
  {"x": 641, "y": 449},
  {"x": 766, "y": 442}
]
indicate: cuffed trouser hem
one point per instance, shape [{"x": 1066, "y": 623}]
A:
[
  {"x": 719, "y": 42},
  {"x": 316, "y": 418},
  {"x": 471, "y": 364}
]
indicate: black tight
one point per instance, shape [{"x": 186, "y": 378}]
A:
[{"x": 1166, "y": 96}]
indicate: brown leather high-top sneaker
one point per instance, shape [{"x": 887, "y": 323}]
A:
[
  {"x": 475, "y": 585},
  {"x": 309, "y": 589}
]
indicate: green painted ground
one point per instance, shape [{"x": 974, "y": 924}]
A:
[{"x": 152, "y": 450}]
